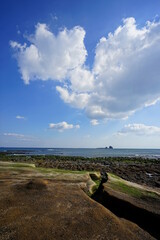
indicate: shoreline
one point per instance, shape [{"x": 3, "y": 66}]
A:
[
  {"x": 86, "y": 152},
  {"x": 139, "y": 170}
]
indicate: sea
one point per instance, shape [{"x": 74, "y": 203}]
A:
[{"x": 86, "y": 152}]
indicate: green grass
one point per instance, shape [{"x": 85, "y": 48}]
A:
[
  {"x": 55, "y": 170},
  {"x": 132, "y": 191},
  {"x": 97, "y": 182},
  {"x": 95, "y": 187},
  {"x": 19, "y": 166},
  {"x": 114, "y": 176},
  {"x": 118, "y": 184},
  {"x": 16, "y": 166},
  {"x": 96, "y": 178}
]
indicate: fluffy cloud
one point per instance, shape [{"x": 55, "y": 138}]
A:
[
  {"x": 124, "y": 76},
  {"x": 49, "y": 56},
  {"x": 62, "y": 126},
  {"x": 20, "y": 117},
  {"x": 94, "y": 122},
  {"x": 78, "y": 100},
  {"x": 140, "y": 129},
  {"x": 127, "y": 69}
]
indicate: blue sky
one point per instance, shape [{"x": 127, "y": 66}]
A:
[{"x": 80, "y": 74}]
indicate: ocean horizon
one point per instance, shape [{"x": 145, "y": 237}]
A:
[{"x": 86, "y": 152}]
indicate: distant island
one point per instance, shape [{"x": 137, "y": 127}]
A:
[{"x": 110, "y": 147}]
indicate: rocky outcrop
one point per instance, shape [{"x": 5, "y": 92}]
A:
[
  {"x": 131, "y": 201},
  {"x": 39, "y": 207}
]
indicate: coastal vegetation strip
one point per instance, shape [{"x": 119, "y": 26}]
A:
[
  {"x": 6, "y": 156},
  {"x": 91, "y": 179},
  {"x": 119, "y": 184},
  {"x": 17, "y": 165},
  {"x": 138, "y": 170}
]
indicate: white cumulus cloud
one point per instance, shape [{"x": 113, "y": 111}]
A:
[
  {"x": 125, "y": 75},
  {"x": 127, "y": 70},
  {"x": 140, "y": 129},
  {"x": 61, "y": 126},
  {"x": 94, "y": 122},
  {"x": 49, "y": 56},
  {"x": 20, "y": 117},
  {"x": 78, "y": 100}
]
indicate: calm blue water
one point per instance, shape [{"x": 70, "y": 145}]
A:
[{"x": 90, "y": 152}]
